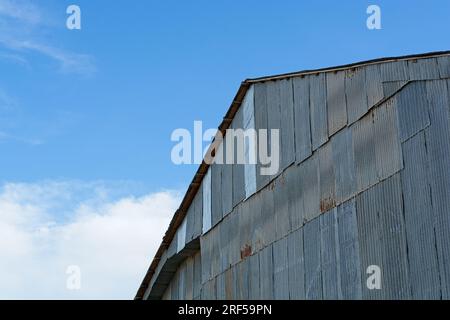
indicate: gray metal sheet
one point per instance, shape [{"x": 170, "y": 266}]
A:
[
  {"x": 266, "y": 273},
  {"x": 374, "y": 85},
  {"x": 281, "y": 207},
  {"x": 388, "y": 150},
  {"x": 337, "y": 103},
  {"x": 197, "y": 282},
  {"x": 287, "y": 134},
  {"x": 182, "y": 281},
  {"x": 190, "y": 223},
  {"x": 423, "y": 69},
  {"x": 206, "y": 258},
  {"x": 189, "y": 279},
  {"x": 251, "y": 152},
  {"x": 296, "y": 265},
  {"x": 172, "y": 250},
  {"x": 209, "y": 290},
  {"x": 295, "y": 206},
  {"x": 174, "y": 287},
  {"x": 227, "y": 189},
  {"x": 395, "y": 71},
  {"x": 229, "y": 285},
  {"x": 256, "y": 222},
  {"x": 326, "y": 178},
  {"x": 238, "y": 169},
  {"x": 318, "y": 107},
  {"x": 303, "y": 147},
  {"x": 254, "y": 286},
  {"x": 198, "y": 209},
  {"x": 206, "y": 194},
  {"x": 349, "y": 260},
  {"x": 268, "y": 215},
  {"x": 243, "y": 280},
  {"x": 309, "y": 187},
  {"x": 225, "y": 243},
  {"x": 235, "y": 255},
  {"x": 261, "y": 122},
  {"x": 329, "y": 256},
  {"x": 274, "y": 114},
  {"x": 313, "y": 272},
  {"x": 220, "y": 287},
  {"x": 245, "y": 229},
  {"x": 391, "y": 87},
  {"x": 355, "y": 92},
  {"x": 281, "y": 271},
  {"x": 419, "y": 221},
  {"x": 344, "y": 163},
  {"x": 216, "y": 261},
  {"x": 438, "y": 146},
  {"x": 444, "y": 66},
  {"x": 216, "y": 193},
  {"x": 412, "y": 106},
  {"x": 364, "y": 153}
]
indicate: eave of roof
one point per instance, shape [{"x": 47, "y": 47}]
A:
[{"x": 236, "y": 103}]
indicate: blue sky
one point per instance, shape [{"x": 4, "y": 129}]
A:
[{"x": 98, "y": 105}]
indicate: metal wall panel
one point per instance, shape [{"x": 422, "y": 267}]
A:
[
  {"x": 266, "y": 273},
  {"x": 438, "y": 146},
  {"x": 198, "y": 213},
  {"x": 245, "y": 229},
  {"x": 235, "y": 254},
  {"x": 227, "y": 188},
  {"x": 206, "y": 244},
  {"x": 209, "y": 290},
  {"x": 238, "y": 169},
  {"x": 281, "y": 207},
  {"x": 412, "y": 106},
  {"x": 268, "y": 215},
  {"x": 344, "y": 163},
  {"x": 197, "y": 282},
  {"x": 309, "y": 187},
  {"x": 181, "y": 235},
  {"x": 349, "y": 260},
  {"x": 216, "y": 261},
  {"x": 383, "y": 239},
  {"x": 391, "y": 87},
  {"x": 419, "y": 221},
  {"x": 364, "y": 153},
  {"x": 388, "y": 150},
  {"x": 423, "y": 69},
  {"x": 229, "y": 285},
  {"x": 294, "y": 201},
  {"x": 206, "y": 192},
  {"x": 287, "y": 134},
  {"x": 220, "y": 287},
  {"x": 337, "y": 103},
  {"x": 261, "y": 122},
  {"x": 444, "y": 66},
  {"x": 225, "y": 244},
  {"x": 273, "y": 114},
  {"x": 190, "y": 223},
  {"x": 318, "y": 107},
  {"x": 216, "y": 193},
  {"x": 374, "y": 85},
  {"x": 326, "y": 178},
  {"x": 250, "y": 153},
  {"x": 257, "y": 222},
  {"x": 296, "y": 265},
  {"x": 313, "y": 272},
  {"x": 174, "y": 287},
  {"x": 243, "y": 280},
  {"x": 355, "y": 92},
  {"x": 182, "y": 281},
  {"x": 395, "y": 71},
  {"x": 329, "y": 256},
  {"x": 254, "y": 285},
  {"x": 189, "y": 279},
  {"x": 302, "y": 116},
  {"x": 281, "y": 271}
]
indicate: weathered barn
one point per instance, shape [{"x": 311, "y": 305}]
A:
[{"x": 364, "y": 180}]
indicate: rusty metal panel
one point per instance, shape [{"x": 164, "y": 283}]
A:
[
  {"x": 438, "y": 146},
  {"x": 419, "y": 221},
  {"x": 216, "y": 193},
  {"x": 318, "y": 107},
  {"x": 374, "y": 85},
  {"x": 281, "y": 271},
  {"x": 220, "y": 287},
  {"x": 423, "y": 69},
  {"x": 349, "y": 260},
  {"x": 309, "y": 187},
  {"x": 329, "y": 256},
  {"x": 281, "y": 207},
  {"x": 327, "y": 178},
  {"x": 230, "y": 285},
  {"x": 412, "y": 106},
  {"x": 287, "y": 134},
  {"x": 444, "y": 66},
  {"x": 364, "y": 153},
  {"x": 268, "y": 215},
  {"x": 206, "y": 192},
  {"x": 243, "y": 280},
  {"x": 197, "y": 282},
  {"x": 245, "y": 229},
  {"x": 266, "y": 273},
  {"x": 337, "y": 103},
  {"x": 313, "y": 271},
  {"x": 296, "y": 265},
  {"x": 355, "y": 92},
  {"x": 394, "y": 71},
  {"x": 254, "y": 275},
  {"x": 303, "y": 147},
  {"x": 344, "y": 163},
  {"x": 383, "y": 239},
  {"x": 388, "y": 151},
  {"x": 261, "y": 122}
]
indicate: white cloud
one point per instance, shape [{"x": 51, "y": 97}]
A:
[
  {"x": 49, "y": 226},
  {"x": 21, "y": 10}
]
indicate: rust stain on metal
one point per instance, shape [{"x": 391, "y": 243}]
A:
[
  {"x": 327, "y": 204},
  {"x": 246, "y": 251}
]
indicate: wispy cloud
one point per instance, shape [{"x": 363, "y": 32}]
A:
[
  {"x": 20, "y": 22},
  {"x": 111, "y": 240}
]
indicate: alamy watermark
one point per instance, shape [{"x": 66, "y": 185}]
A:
[
  {"x": 73, "y": 281},
  {"x": 73, "y": 22},
  {"x": 374, "y": 20},
  {"x": 239, "y": 146}
]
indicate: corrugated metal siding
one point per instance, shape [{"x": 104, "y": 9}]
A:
[
  {"x": 287, "y": 134},
  {"x": 238, "y": 169},
  {"x": 255, "y": 275},
  {"x": 250, "y": 152},
  {"x": 266, "y": 269},
  {"x": 395, "y": 71},
  {"x": 344, "y": 163},
  {"x": 261, "y": 122},
  {"x": 355, "y": 92},
  {"x": 337, "y": 102},
  {"x": 444, "y": 66},
  {"x": 318, "y": 106},
  {"x": 312, "y": 256},
  {"x": 329, "y": 256},
  {"x": 327, "y": 178},
  {"x": 374, "y": 85},
  {"x": 281, "y": 270},
  {"x": 296, "y": 265},
  {"x": 281, "y": 207},
  {"x": 206, "y": 191},
  {"x": 303, "y": 146},
  {"x": 423, "y": 69},
  {"x": 309, "y": 187}
]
